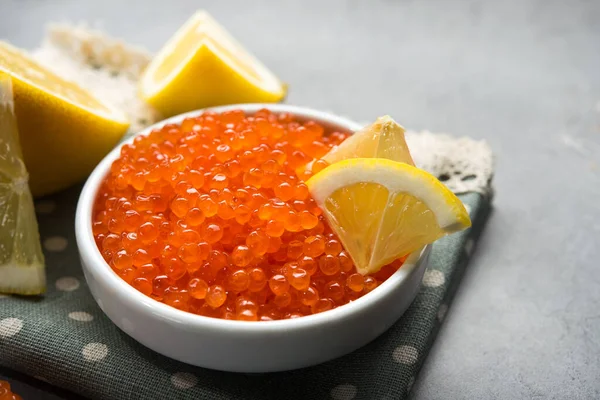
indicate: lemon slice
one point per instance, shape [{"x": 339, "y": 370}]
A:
[
  {"x": 382, "y": 139},
  {"x": 383, "y": 210},
  {"x": 64, "y": 130},
  {"x": 202, "y": 65},
  {"x": 21, "y": 258}
]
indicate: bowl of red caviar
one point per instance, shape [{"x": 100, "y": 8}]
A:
[{"x": 199, "y": 239}]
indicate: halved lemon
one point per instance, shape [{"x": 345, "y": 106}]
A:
[
  {"x": 64, "y": 130},
  {"x": 21, "y": 257},
  {"x": 383, "y": 210},
  {"x": 202, "y": 65},
  {"x": 384, "y": 138}
]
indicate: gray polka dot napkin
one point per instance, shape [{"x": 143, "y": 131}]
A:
[{"x": 64, "y": 338}]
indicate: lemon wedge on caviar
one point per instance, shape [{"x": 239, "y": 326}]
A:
[
  {"x": 203, "y": 66},
  {"x": 383, "y": 209},
  {"x": 64, "y": 130},
  {"x": 21, "y": 258},
  {"x": 382, "y": 139}
]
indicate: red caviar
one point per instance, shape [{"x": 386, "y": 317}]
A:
[
  {"x": 6, "y": 393},
  {"x": 212, "y": 217}
]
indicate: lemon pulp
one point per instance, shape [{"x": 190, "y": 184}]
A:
[
  {"x": 202, "y": 65},
  {"x": 383, "y": 210},
  {"x": 64, "y": 130},
  {"x": 21, "y": 257},
  {"x": 382, "y": 139}
]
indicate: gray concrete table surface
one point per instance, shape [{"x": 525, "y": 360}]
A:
[{"x": 524, "y": 75}]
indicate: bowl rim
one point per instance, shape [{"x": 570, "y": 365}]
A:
[{"x": 95, "y": 263}]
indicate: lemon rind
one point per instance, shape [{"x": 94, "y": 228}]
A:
[
  {"x": 24, "y": 279},
  {"x": 397, "y": 177},
  {"x": 18, "y": 278},
  {"x": 352, "y": 146},
  {"x": 268, "y": 82},
  {"x": 111, "y": 113}
]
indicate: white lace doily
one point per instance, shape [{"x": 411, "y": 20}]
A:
[
  {"x": 110, "y": 68},
  {"x": 106, "y": 66},
  {"x": 461, "y": 163}
]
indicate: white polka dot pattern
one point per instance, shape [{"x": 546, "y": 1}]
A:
[
  {"x": 94, "y": 351},
  {"x": 67, "y": 284},
  {"x": 183, "y": 380},
  {"x": 344, "y": 392},
  {"x": 10, "y": 327},
  {"x": 407, "y": 355},
  {"x": 81, "y": 316},
  {"x": 433, "y": 278},
  {"x": 55, "y": 243}
]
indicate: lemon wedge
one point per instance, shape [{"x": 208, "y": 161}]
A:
[
  {"x": 382, "y": 139},
  {"x": 202, "y": 65},
  {"x": 383, "y": 210},
  {"x": 21, "y": 257},
  {"x": 64, "y": 130}
]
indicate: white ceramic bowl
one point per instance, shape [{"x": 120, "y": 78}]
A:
[{"x": 238, "y": 345}]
